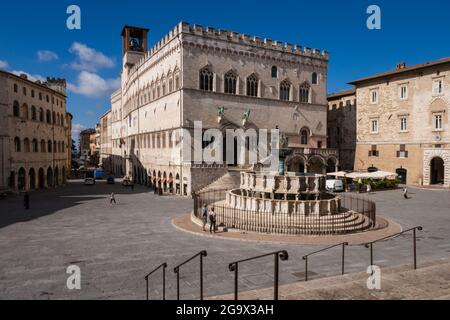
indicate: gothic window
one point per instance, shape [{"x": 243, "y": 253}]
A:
[
  {"x": 41, "y": 115},
  {"x": 15, "y": 88},
  {"x": 17, "y": 146},
  {"x": 170, "y": 85},
  {"x": 285, "y": 90},
  {"x": 305, "y": 93},
  {"x": 16, "y": 109},
  {"x": 54, "y": 117},
  {"x": 252, "y": 86},
  {"x": 177, "y": 82},
  {"x": 25, "y": 112},
  {"x": 274, "y": 72},
  {"x": 33, "y": 113},
  {"x": 314, "y": 78},
  {"x": 230, "y": 82},
  {"x": 42, "y": 145},
  {"x": 26, "y": 145},
  {"x": 304, "y": 136},
  {"x": 34, "y": 145},
  {"x": 206, "y": 79},
  {"x": 49, "y": 146}
]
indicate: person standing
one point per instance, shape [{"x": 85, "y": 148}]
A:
[
  {"x": 405, "y": 193},
  {"x": 26, "y": 201},
  {"x": 212, "y": 221},
  {"x": 369, "y": 188},
  {"x": 204, "y": 216},
  {"x": 113, "y": 198}
]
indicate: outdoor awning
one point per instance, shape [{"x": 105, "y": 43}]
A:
[
  {"x": 371, "y": 175},
  {"x": 340, "y": 174}
]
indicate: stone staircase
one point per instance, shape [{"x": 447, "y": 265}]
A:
[
  {"x": 430, "y": 281},
  {"x": 231, "y": 180}
]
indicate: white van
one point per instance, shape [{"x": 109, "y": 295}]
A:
[{"x": 335, "y": 186}]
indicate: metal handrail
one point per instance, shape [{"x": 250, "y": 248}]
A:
[
  {"x": 233, "y": 266},
  {"x": 176, "y": 270},
  {"x": 370, "y": 244},
  {"x": 163, "y": 266},
  {"x": 305, "y": 257}
]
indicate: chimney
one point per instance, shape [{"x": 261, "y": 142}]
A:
[{"x": 401, "y": 65}]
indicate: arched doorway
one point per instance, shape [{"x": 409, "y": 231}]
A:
[
  {"x": 32, "y": 177},
  {"x": 297, "y": 164},
  {"x": 41, "y": 178},
  {"x": 22, "y": 180},
  {"x": 316, "y": 165},
  {"x": 402, "y": 175},
  {"x": 49, "y": 177},
  {"x": 56, "y": 176},
  {"x": 437, "y": 171},
  {"x": 332, "y": 165}
]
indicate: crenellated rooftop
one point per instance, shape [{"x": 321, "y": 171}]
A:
[{"x": 233, "y": 37}]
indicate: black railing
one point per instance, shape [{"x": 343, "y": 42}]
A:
[
  {"x": 370, "y": 244},
  {"x": 163, "y": 266},
  {"x": 234, "y": 267},
  {"x": 177, "y": 271},
  {"x": 325, "y": 249}
]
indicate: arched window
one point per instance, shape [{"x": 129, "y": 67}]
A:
[
  {"x": 15, "y": 88},
  {"x": 206, "y": 79},
  {"x": 24, "y": 111},
  {"x": 55, "y": 147},
  {"x": 314, "y": 78},
  {"x": 41, "y": 115},
  {"x": 62, "y": 146},
  {"x": 62, "y": 120},
  {"x": 57, "y": 119},
  {"x": 16, "y": 109},
  {"x": 34, "y": 145},
  {"x": 26, "y": 145},
  {"x": 49, "y": 146},
  {"x": 252, "y": 86},
  {"x": 274, "y": 72},
  {"x": 285, "y": 90},
  {"x": 304, "y": 93},
  {"x": 230, "y": 82},
  {"x": 304, "y": 136},
  {"x": 33, "y": 113},
  {"x": 17, "y": 145},
  {"x": 42, "y": 145},
  {"x": 54, "y": 117}
]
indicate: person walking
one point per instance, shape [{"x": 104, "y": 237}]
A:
[
  {"x": 204, "y": 216},
  {"x": 113, "y": 198},
  {"x": 405, "y": 193},
  {"x": 212, "y": 221},
  {"x": 26, "y": 201}
]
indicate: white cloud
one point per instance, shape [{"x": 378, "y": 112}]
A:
[
  {"x": 89, "y": 59},
  {"x": 93, "y": 86},
  {"x": 76, "y": 129},
  {"x": 46, "y": 55},
  {"x": 31, "y": 77},
  {"x": 3, "y": 65}
]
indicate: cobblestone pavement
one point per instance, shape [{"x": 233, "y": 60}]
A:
[{"x": 116, "y": 245}]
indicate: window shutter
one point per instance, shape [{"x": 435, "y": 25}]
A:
[
  {"x": 398, "y": 154},
  {"x": 406, "y": 154},
  {"x": 370, "y": 153}
]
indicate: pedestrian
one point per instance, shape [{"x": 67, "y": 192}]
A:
[
  {"x": 369, "y": 188},
  {"x": 204, "y": 216},
  {"x": 113, "y": 198},
  {"x": 26, "y": 200},
  {"x": 212, "y": 221},
  {"x": 405, "y": 193}
]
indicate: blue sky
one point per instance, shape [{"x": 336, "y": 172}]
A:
[{"x": 35, "y": 38}]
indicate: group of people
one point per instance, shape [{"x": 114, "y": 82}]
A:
[{"x": 211, "y": 216}]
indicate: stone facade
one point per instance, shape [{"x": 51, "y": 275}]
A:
[
  {"x": 403, "y": 123},
  {"x": 191, "y": 74},
  {"x": 35, "y": 133},
  {"x": 342, "y": 126},
  {"x": 88, "y": 146}
]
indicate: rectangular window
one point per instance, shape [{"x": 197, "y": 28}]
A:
[
  {"x": 403, "y": 124},
  {"x": 374, "y": 126},
  {"x": 403, "y": 92},
  {"x": 438, "y": 121},
  {"x": 438, "y": 87},
  {"x": 374, "y": 96},
  {"x": 402, "y": 153},
  {"x": 374, "y": 152}
]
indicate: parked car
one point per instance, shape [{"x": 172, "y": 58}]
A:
[
  {"x": 89, "y": 181},
  {"x": 335, "y": 185},
  {"x": 110, "y": 180},
  {"x": 127, "y": 182}
]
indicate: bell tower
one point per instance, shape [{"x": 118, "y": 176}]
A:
[{"x": 134, "y": 45}]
